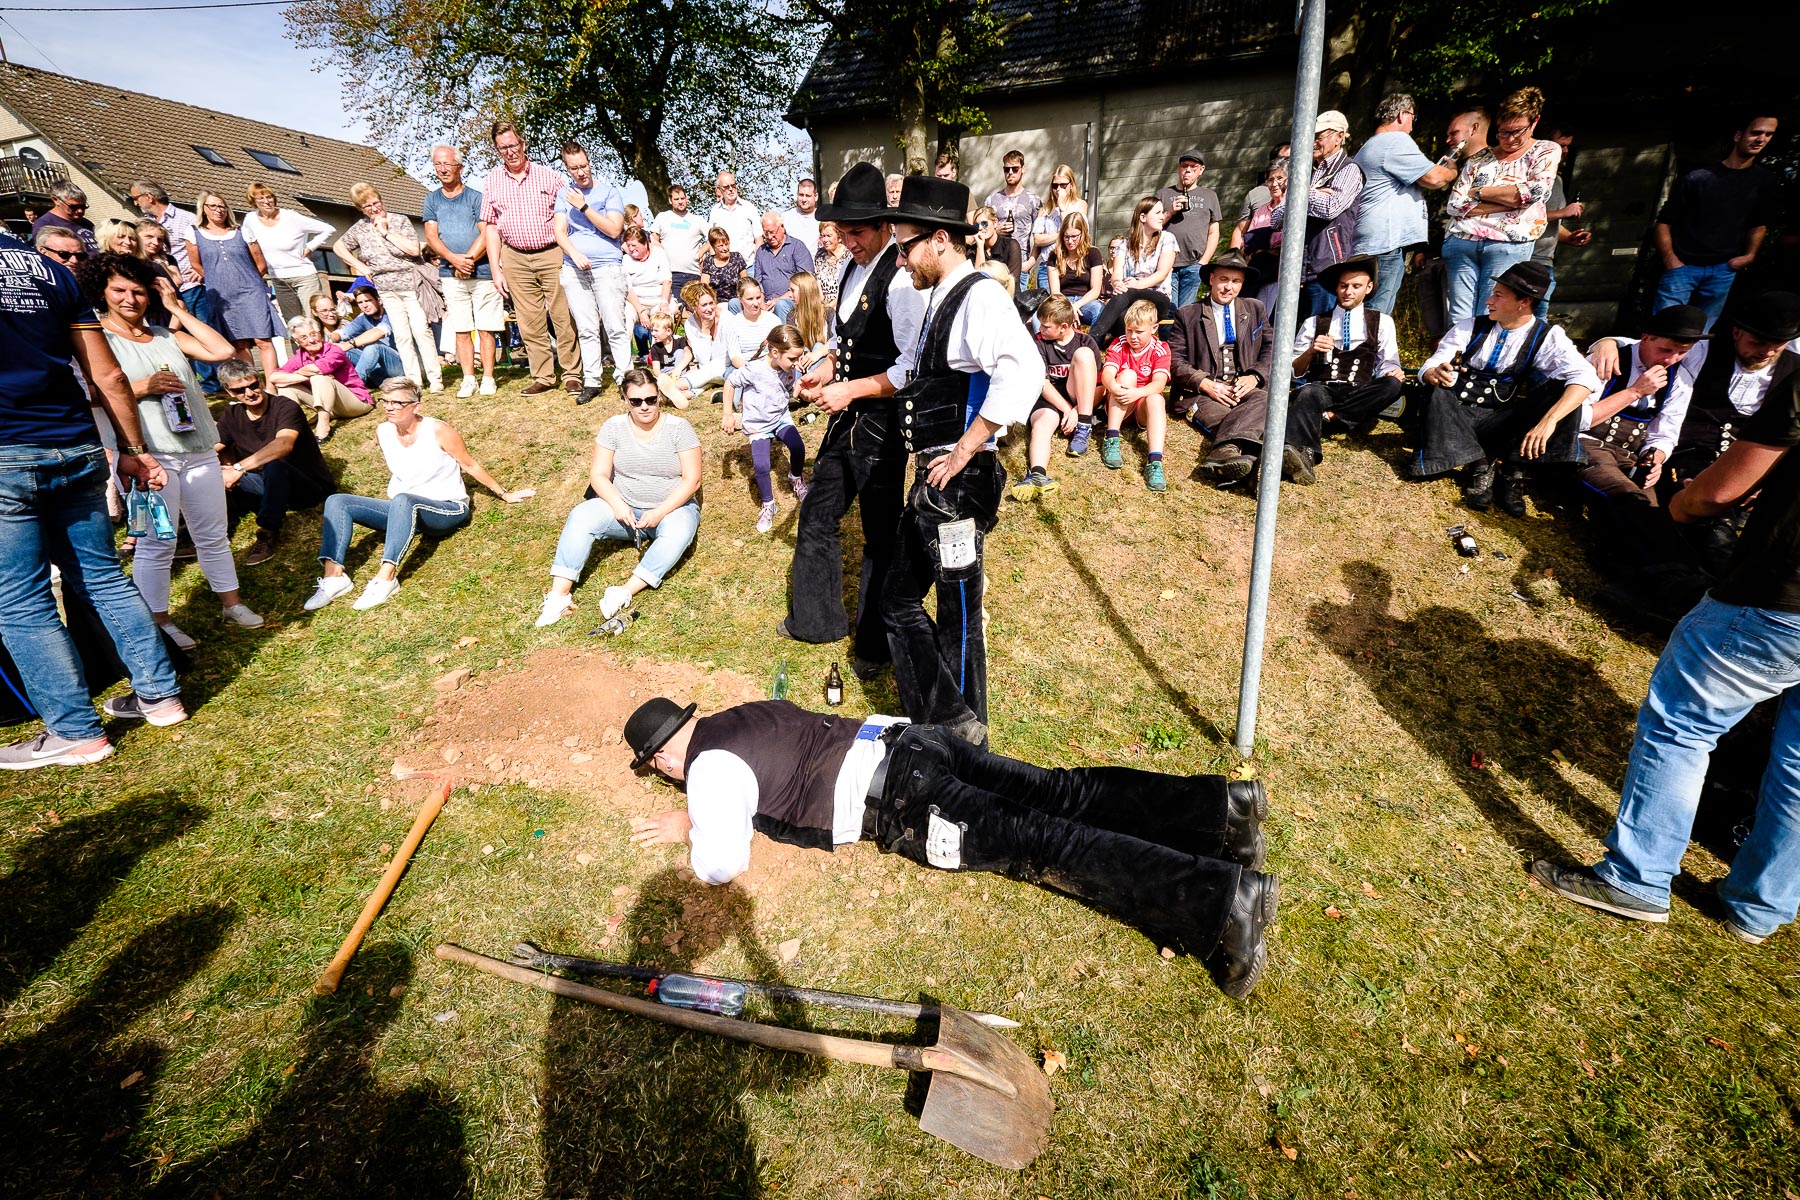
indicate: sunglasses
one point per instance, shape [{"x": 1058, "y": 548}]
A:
[
  {"x": 1014, "y": 170},
  {"x": 249, "y": 389},
  {"x": 641, "y": 401},
  {"x": 67, "y": 255},
  {"x": 906, "y": 247},
  {"x": 983, "y": 224}
]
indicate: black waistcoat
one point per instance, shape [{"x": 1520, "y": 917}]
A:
[
  {"x": 1347, "y": 366},
  {"x": 934, "y": 405},
  {"x": 1711, "y": 424},
  {"x": 795, "y": 756},
  {"x": 1629, "y": 427},
  {"x": 866, "y": 338}
]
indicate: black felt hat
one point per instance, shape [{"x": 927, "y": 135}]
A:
[
  {"x": 1232, "y": 260},
  {"x": 1772, "y": 315},
  {"x": 1528, "y": 279},
  {"x": 1679, "y": 323},
  {"x": 1329, "y": 276},
  {"x": 652, "y": 725},
  {"x": 933, "y": 203},
  {"x": 860, "y": 197}
]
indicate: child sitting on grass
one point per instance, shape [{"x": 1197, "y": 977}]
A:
[
  {"x": 1071, "y": 367},
  {"x": 1136, "y": 372},
  {"x": 668, "y": 358},
  {"x": 762, "y": 387}
]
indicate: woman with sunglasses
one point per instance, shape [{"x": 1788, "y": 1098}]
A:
[
  {"x": 178, "y": 428},
  {"x": 645, "y": 488},
  {"x": 426, "y": 460},
  {"x": 1064, "y": 198},
  {"x": 991, "y": 245},
  {"x": 1496, "y": 210}
]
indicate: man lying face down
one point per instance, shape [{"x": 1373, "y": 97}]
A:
[{"x": 1175, "y": 856}]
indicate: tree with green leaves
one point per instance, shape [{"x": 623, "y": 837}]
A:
[
  {"x": 926, "y": 53},
  {"x": 656, "y": 86}
]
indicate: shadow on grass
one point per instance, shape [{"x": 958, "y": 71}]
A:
[
  {"x": 1122, "y": 627},
  {"x": 65, "y": 874},
  {"x": 1516, "y": 701},
  {"x": 74, "y": 1092},
  {"x": 634, "y": 1109},
  {"x": 332, "y": 1129}
]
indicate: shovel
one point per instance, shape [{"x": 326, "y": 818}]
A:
[{"x": 986, "y": 1096}]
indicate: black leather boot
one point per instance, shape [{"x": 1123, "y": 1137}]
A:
[
  {"x": 1478, "y": 486},
  {"x": 1237, "y": 964},
  {"x": 1509, "y": 492},
  {"x": 1248, "y": 804}
]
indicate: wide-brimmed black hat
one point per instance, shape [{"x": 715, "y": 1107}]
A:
[
  {"x": 1678, "y": 323},
  {"x": 860, "y": 197},
  {"x": 1772, "y": 315},
  {"x": 1329, "y": 276},
  {"x": 1528, "y": 279},
  {"x": 933, "y": 203},
  {"x": 1232, "y": 260},
  {"x": 652, "y": 725}
]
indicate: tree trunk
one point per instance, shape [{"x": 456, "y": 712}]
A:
[
  {"x": 651, "y": 170},
  {"x": 911, "y": 139}
]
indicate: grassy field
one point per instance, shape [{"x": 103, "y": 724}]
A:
[{"x": 1431, "y": 1023}]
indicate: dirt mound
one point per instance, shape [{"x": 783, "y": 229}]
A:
[{"x": 558, "y": 721}]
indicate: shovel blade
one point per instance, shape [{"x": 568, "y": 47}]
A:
[{"x": 1008, "y": 1131}]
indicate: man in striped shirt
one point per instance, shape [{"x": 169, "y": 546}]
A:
[{"x": 518, "y": 205}]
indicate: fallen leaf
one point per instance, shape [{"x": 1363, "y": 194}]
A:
[
  {"x": 584, "y": 858},
  {"x": 487, "y": 849},
  {"x": 445, "y": 1017},
  {"x": 1368, "y": 889},
  {"x": 131, "y": 1080},
  {"x": 1054, "y": 1061},
  {"x": 1244, "y": 770},
  {"x": 1305, "y": 814},
  {"x": 1587, "y": 1067},
  {"x": 463, "y": 643},
  {"x": 398, "y": 990},
  {"x": 1501, "y": 1059},
  {"x": 1167, "y": 594},
  {"x": 387, "y": 848},
  {"x": 1721, "y": 1043},
  {"x": 1617, "y": 1058},
  {"x": 1287, "y": 1152},
  {"x": 186, "y": 1016},
  {"x": 1167, "y": 953},
  {"x": 369, "y": 991},
  {"x": 622, "y": 890},
  {"x": 289, "y": 1069},
  {"x": 1478, "y": 760},
  {"x": 1459, "y": 847},
  {"x": 788, "y": 951},
  {"x": 1407, "y": 1045},
  {"x": 1334, "y": 912},
  {"x": 1473, "y": 1049}
]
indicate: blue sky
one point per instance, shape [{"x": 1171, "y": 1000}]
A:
[{"x": 235, "y": 60}]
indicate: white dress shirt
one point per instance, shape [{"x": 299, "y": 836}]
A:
[
  {"x": 722, "y": 797},
  {"x": 1387, "y": 349},
  {"x": 906, "y": 307},
  {"x": 986, "y": 337},
  {"x": 1556, "y": 358}
]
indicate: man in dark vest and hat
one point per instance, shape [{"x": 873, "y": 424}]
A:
[
  {"x": 1506, "y": 390},
  {"x": 1178, "y": 857},
  {"x": 973, "y": 370},
  {"x": 1634, "y": 421},
  {"x": 1221, "y": 349},
  {"x": 1346, "y": 365},
  {"x": 860, "y": 458}
]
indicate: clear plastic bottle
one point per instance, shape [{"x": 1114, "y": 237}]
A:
[
  {"x": 706, "y": 995},
  {"x": 782, "y": 685},
  {"x": 616, "y": 624},
  {"x": 162, "y": 521},
  {"x": 137, "y": 511}
]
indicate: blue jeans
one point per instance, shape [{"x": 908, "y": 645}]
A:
[
  {"x": 1470, "y": 269},
  {"x": 1541, "y": 310},
  {"x": 200, "y": 304},
  {"x": 593, "y": 521},
  {"x": 1090, "y": 312},
  {"x": 1706, "y": 287},
  {"x": 375, "y": 362},
  {"x": 402, "y": 517},
  {"x": 53, "y": 509},
  {"x": 1186, "y": 281},
  {"x": 1390, "y": 273},
  {"x": 1720, "y": 661},
  {"x": 1315, "y": 300}
]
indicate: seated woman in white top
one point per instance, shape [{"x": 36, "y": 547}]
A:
[
  {"x": 707, "y": 364},
  {"x": 426, "y": 459}
]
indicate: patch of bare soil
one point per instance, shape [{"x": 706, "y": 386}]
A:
[{"x": 558, "y": 721}]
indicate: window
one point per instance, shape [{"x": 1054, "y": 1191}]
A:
[
  {"x": 213, "y": 156},
  {"x": 272, "y": 161},
  {"x": 93, "y": 166}
]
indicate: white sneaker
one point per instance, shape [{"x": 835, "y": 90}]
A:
[
  {"x": 556, "y": 607},
  {"x": 240, "y": 614},
  {"x": 436, "y": 388},
  {"x": 612, "y": 600},
  {"x": 133, "y": 707},
  {"x": 487, "y": 386},
  {"x": 467, "y": 388},
  {"x": 765, "y": 520},
  {"x": 379, "y": 591},
  {"x": 799, "y": 486},
  {"x": 330, "y": 588},
  {"x": 178, "y": 635}
]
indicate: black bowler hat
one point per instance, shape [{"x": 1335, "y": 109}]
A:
[
  {"x": 1528, "y": 279},
  {"x": 1232, "y": 260},
  {"x": 1329, "y": 276},
  {"x": 860, "y": 197},
  {"x": 1774, "y": 316},
  {"x": 1678, "y": 323},
  {"x": 652, "y": 725},
  {"x": 933, "y": 203}
]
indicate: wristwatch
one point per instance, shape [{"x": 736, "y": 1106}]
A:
[{"x": 134, "y": 451}]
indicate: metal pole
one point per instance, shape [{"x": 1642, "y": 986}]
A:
[{"x": 1281, "y": 377}]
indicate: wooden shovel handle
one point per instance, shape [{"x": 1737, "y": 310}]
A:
[
  {"x": 428, "y": 812},
  {"x": 820, "y": 1045}
]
